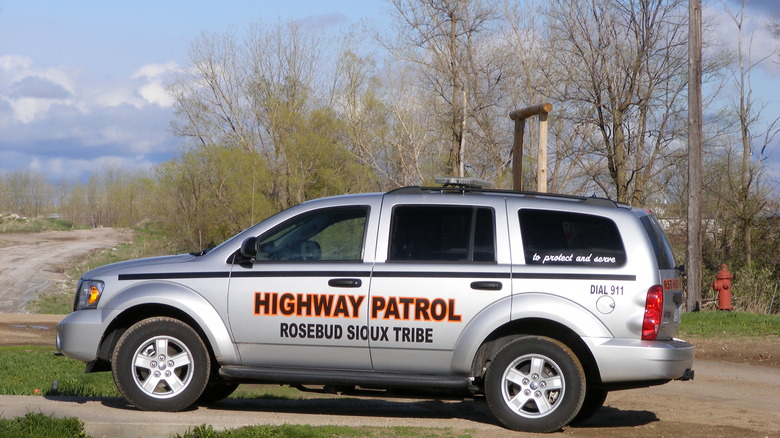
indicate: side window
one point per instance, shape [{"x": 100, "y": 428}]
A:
[
  {"x": 663, "y": 251},
  {"x": 424, "y": 233},
  {"x": 574, "y": 239},
  {"x": 333, "y": 234}
]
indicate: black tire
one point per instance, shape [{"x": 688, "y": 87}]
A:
[
  {"x": 535, "y": 384},
  {"x": 161, "y": 364},
  {"x": 594, "y": 399},
  {"x": 215, "y": 392}
]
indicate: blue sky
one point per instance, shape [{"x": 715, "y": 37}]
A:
[{"x": 82, "y": 82}]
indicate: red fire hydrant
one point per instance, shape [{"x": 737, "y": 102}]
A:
[{"x": 722, "y": 285}]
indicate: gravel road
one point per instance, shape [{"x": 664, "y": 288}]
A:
[{"x": 34, "y": 263}]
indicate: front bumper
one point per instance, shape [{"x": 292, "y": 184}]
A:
[
  {"x": 629, "y": 360},
  {"x": 79, "y": 334}
]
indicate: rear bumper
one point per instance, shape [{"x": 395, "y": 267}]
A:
[
  {"x": 78, "y": 335},
  {"x": 628, "y": 360}
]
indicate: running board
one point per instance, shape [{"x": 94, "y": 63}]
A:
[{"x": 342, "y": 377}]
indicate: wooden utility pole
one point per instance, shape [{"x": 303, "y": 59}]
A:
[
  {"x": 519, "y": 117},
  {"x": 694, "y": 256}
]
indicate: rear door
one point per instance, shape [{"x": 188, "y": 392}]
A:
[{"x": 439, "y": 264}]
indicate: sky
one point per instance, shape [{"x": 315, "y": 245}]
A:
[{"x": 82, "y": 83}]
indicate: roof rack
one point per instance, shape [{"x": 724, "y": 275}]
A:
[
  {"x": 459, "y": 186},
  {"x": 462, "y": 182}
]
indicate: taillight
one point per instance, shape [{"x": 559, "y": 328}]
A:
[{"x": 654, "y": 310}]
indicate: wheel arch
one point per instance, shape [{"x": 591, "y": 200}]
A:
[
  {"x": 164, "y": 299},
  {"x": 539, "y": 314},
  {"x": 535, "y": 327}
]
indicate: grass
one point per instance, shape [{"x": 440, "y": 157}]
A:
[
  {"x": 34, "y": 225},
  {"x": 37, "y": 425},
  {"x": 33, "y": 370},
  {"x": 303, "y": 431},
  {"x": 717, "y": 324}
]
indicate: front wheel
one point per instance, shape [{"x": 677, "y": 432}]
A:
[
  {"x": 535, "y": 384},
  {"x": 161, "y": 364}
]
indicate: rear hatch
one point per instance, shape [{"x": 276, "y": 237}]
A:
[{"x": 669, "y": 274}]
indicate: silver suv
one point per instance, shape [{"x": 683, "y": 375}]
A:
[{"x": 540, "y": 303}]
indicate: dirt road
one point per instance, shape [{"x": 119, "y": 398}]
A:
[{"x": 34, "y": 263}]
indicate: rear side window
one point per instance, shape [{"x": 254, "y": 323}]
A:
[
  {"x": 423, "y": 233},
  {"x": 661, "y": 247},
  {"x": 574, "y": 239}
]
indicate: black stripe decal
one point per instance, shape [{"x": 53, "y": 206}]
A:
[
  {"x": 378, "y": 274},
  {"x": 241, "y": 274},
  {"x": 174, "y": 275},
  {"x": 559, "y": 276},
  {"x": 448, "y": 274},
  {"x": 261, "y": 274}
]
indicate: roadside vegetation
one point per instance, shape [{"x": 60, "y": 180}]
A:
[
  {"x": 18, "y": 224},
  {"x": 302, "y": 431},
  {"x": 38, "y": 425},
  {"x": 718, "y": 324}
]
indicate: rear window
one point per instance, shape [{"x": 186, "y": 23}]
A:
[
  {"x": 574, "y": 239},
  {"x": 661, "y": 247},
  {"x": 423, "y": 233}
]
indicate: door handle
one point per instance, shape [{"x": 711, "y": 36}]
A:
[
  {"x": 345, "y": 282},
  {"x": 487, "y": 285}
]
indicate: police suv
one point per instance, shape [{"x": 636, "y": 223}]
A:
[{"x": 539, "y": 303}]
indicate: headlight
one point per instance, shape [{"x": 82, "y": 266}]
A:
[{"x": 88, "y": 294}]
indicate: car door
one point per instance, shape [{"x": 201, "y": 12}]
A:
[
  {"x": 439, "y": 264},
  {"x": 306, "y": 295}
]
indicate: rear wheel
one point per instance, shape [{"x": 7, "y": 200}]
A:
[
  {"x": 161, "y": 364},
  {"x": 535, "y": 384}
]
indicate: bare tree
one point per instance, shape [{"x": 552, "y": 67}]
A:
[
  {"x": 626, "y": 61},
  {"x": 441, "y": 37},
  {"x": 755, "y": 134}
]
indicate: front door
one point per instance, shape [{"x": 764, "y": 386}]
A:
[{"x": 305, "y": 297}]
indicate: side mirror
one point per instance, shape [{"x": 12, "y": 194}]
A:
[{"x": 248, "y": 250}]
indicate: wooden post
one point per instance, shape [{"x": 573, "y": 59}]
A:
[
  {"x": 517, "y": 155},
  {"x": 519, "y": 117},
  {"x": 694, "y": 250},
  {"x": 541, "y": 161}
]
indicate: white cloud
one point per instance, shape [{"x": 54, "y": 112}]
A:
[
  {"x": 757, "y": 41},
  {"x": 60, "y": 122},
  {"x": 157, "y": 76}
]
